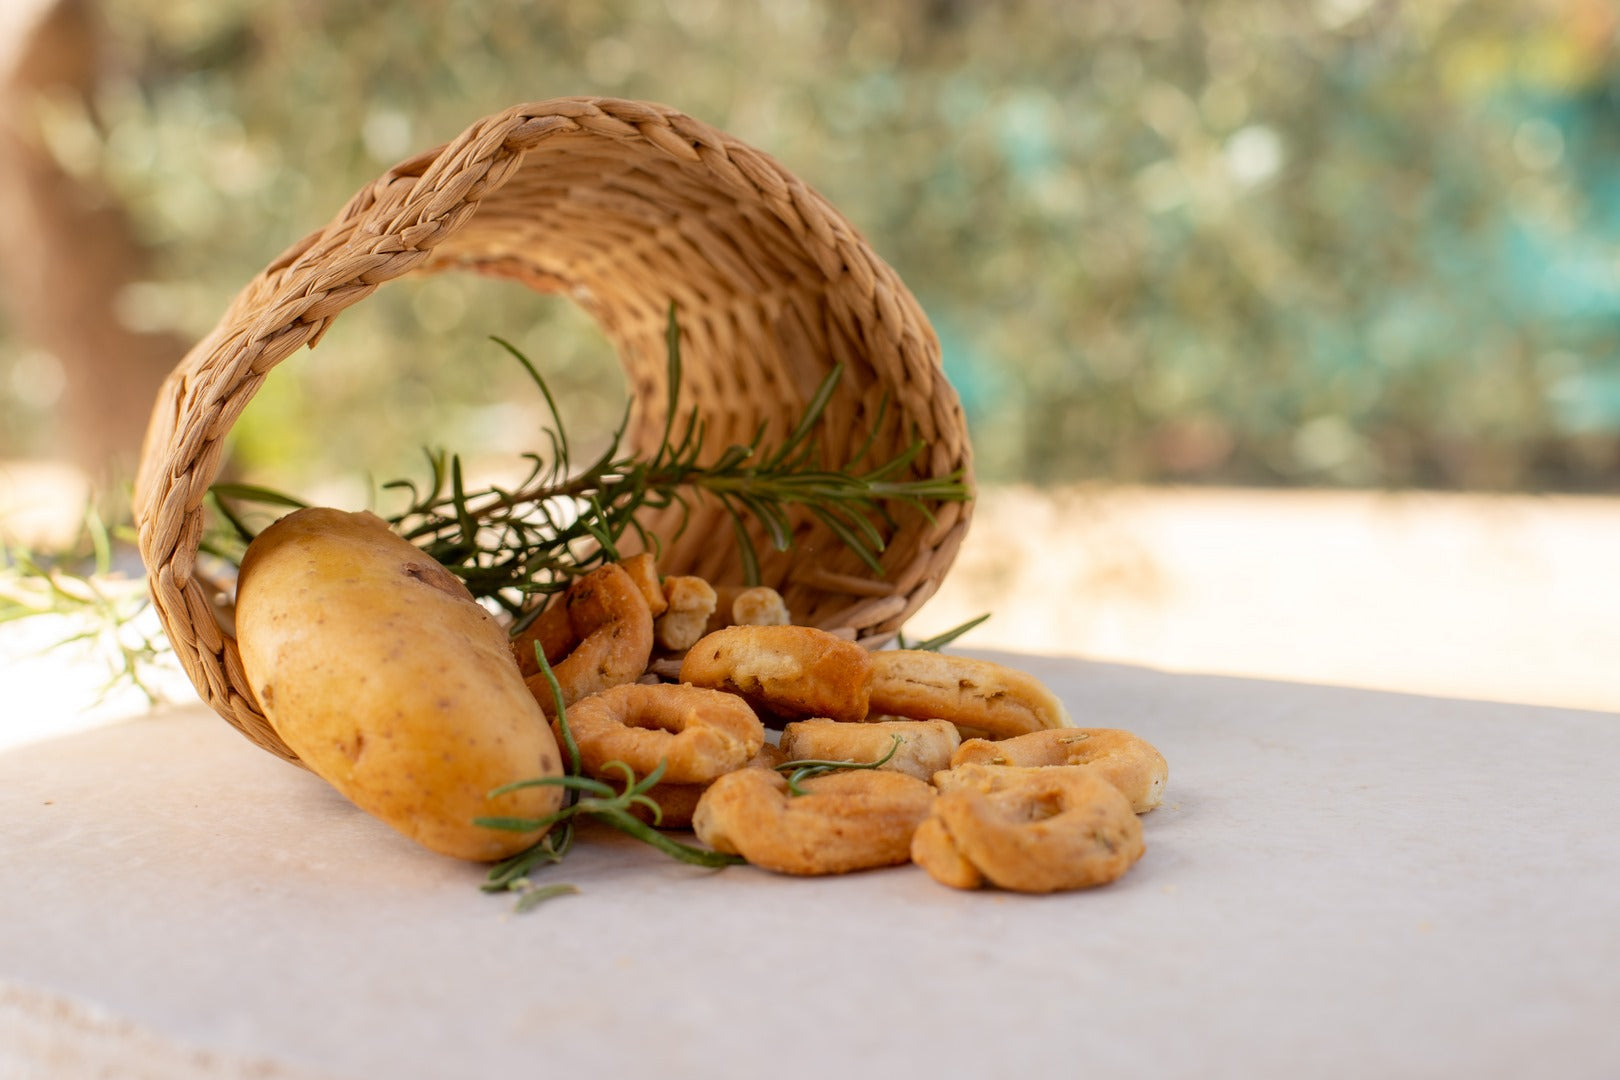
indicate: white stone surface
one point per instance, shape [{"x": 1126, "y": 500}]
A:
[{"x": 1341, "y": 883}]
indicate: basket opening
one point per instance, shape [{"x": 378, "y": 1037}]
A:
[{"x": 413, "y": 369}]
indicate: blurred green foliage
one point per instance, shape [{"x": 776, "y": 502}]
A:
[{"x": 1344, "y": 242}]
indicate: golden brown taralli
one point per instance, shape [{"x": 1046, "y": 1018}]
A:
[
  {"x": 385, "y": 677},
  {"x": 933, "y": 849},
  {"x": 1037, "y": 830},
  {"x": 551, "y": 631},
  {"x": 688, "y": 602},
  {"x": 644, "y": 572},
  {"x": 697, "y": 734},
  {"x": 976, "y": 695},
  {"x": 925, "y": 746},
  {"x": 847, "y": 821},
  {"x": 678, "y": 802},
  {"x": 792, "y": 672},
  {"x": 760, "y": 606},
  {"x": 610, "y": 638},
  {"x": 1127, "y": 761}
]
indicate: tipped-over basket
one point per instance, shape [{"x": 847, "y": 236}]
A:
[{"x": 625, "y": 207}]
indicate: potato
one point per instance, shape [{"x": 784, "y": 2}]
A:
[{"x": 380, "y": 671}]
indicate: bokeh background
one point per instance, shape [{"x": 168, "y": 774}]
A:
[
  {"x": 1344, "y": 242},
  {"x": 1238, "y": 244}
]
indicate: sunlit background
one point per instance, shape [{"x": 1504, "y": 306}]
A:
[{"x": 1194, "y": 267}]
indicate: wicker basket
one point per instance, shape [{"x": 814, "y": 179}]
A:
[{"x": 623, "y": 206}]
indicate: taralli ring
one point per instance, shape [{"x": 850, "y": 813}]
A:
[
  {"x": 698, "y": 734},
  {"x": 975, "y": 694},
  {"x": 925, "y": 746},
  {"x": 847, "y": 821},
  {"x": 609, "y": 638},
  {"x": 1028, "y": 830},
  {"x": 792, "y": 672},
  {"x": 677, "y": 802},
  {"x": 551, "y": 631},
  {"x": 1127, "y": 761},
  {"x": 688, "y": 603},
  {"x": 760, "y": 606},
  {"x": 644, "y": 573}
]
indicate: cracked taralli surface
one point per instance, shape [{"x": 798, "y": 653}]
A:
[
  {"x": 978, "y": 696},
  {"x": 792, "y": 672}
]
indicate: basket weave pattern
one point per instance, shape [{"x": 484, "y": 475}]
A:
[{"x": 624, "y": 207}]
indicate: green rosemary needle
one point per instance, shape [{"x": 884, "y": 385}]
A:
[{"x": 809, "y": 768}]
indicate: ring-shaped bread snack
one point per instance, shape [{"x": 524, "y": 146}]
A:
[
  {"x": 1032, "y": 830},
  {"x": 1128, "y": 761},
  {"x": 688, "y": 603},
  {"x": 551, "y": 631},
  {"x": 678, "y": 802},
  {"x": 974, "y": 694},
  {"x": 643, "y": 570},
  {"x": 760, "y": 606},
  {"x": 846, "y": 821},
  {"x": 609, "y": 640},
  {"x": 793, "y": 672},
  {"x": 926, "y": 746},
  {"x": 698, "y": 734}
]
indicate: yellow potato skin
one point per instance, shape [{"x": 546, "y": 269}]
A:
[{"x": 385, "y": 677}]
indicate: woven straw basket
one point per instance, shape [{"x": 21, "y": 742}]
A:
[{"x": 623, "y": 206}]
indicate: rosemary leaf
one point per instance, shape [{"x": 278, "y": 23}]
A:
[
  {"x": 557, "y": 431},
  {"x": 811, "y": 416},
  {"x": 939, "y": 641},
  {"x": 686, "y": 853},
  {"x": 533, "y": 896},
  {"x": 257, "y": 494},
  {"x": 672, "y": 380},
  {"x": 576, "y": 783},
  {"x": 520, "y": 824},
  {"x": 809, "y": 768},
  {"x": 569, "y": 745}
]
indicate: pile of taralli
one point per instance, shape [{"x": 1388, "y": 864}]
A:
[{"x": 387, "y": 679}]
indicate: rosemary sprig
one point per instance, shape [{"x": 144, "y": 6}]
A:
[
  {"x": 80, "y": 582},
  {"x": 587, "y": 797},
  {"x": 809, "y": 768},
  {"x": 509, "y": 545},
  {"x": 559, "y": 521}
]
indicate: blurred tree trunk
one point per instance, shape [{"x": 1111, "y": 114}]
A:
[{"x": 69, "y": 250}]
